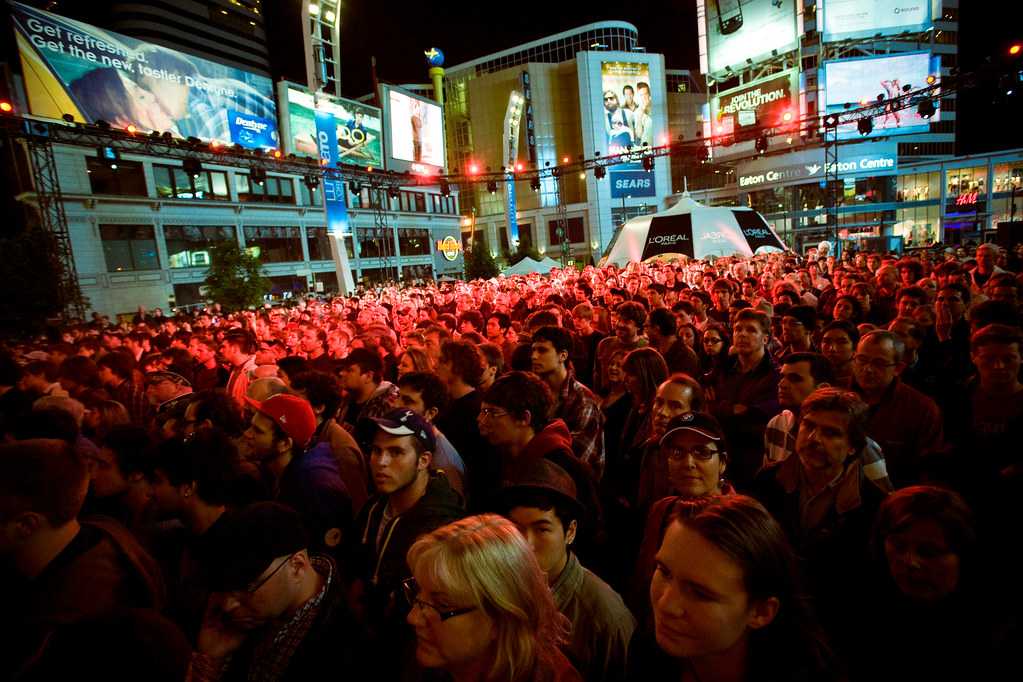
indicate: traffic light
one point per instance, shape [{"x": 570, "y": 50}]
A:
[
  {"x": 6, "y": 108},
  {"x": 1015, "y": 50}
]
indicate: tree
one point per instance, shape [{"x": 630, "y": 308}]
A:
[
  {"x": 235, "y": 279},
  {"x": 479, "y": 264}
]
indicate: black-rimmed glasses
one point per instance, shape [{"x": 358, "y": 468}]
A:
[
  {"x": 252, "y": 589},
  {"x": 410, "y": 588},
  {"x": 701, "y": 454}
]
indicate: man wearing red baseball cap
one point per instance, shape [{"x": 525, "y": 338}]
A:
[{"x": 306, "y": 479}]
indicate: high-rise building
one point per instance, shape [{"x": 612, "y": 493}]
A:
[
  {"x": 231, "y": 32},
  {"x": 542, "y": 107},
  {"x": 771, "y": 64}
]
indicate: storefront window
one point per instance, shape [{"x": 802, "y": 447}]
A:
[
  {"x": 172, "y": 182},
  {"x": 917, "y": 226},
  {"x": 1008, "y": 176},
  {"x": 414, "y": 242},
  {"x": 966, "y": 180},
  {"x": 129, "y": 247},
  {"x": 125, "y": 178},
  {"x": 919, "y": 186},
  {"x": 273, "y": 190},
  {"x": 318, "y": 240},
  {"x": 188, "y": 246},
  {"x": 274, "y": 244}
]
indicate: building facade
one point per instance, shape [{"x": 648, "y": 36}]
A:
[
  {"x": 141, "y": 232},
  {"x": 559, "y": 81},
  {"x": 950, "y": 200}
]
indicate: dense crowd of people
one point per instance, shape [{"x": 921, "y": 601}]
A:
[{"x": 777, "y": 468}]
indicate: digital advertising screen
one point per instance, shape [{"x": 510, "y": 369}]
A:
[
  {"x": 847, "y": 19},
  {"x": 629, "y": 123},
  {"x": 738, "y": 30},
  {"x": 760, "y": 103},
  {"x": 312, "y": 120},
  {"x": 854, "y": 82},
  {"x": 70, "y": 67},
  {"x": 416, "y": 132}
]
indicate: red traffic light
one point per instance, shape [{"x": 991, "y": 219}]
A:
[
  {"x": 6, "y": 107},
  {"x": 1015, "y": 49}
]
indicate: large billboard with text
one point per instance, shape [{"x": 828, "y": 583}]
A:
[
  {"x": 415, "y": 132},
  {"x": 761, "y": 103},
  {"x": 854, "y": 83},
  {"x": 847, "y": 19},
  {"x": 74, "y": 68},
  {"x": 352, "y": 127},
  {"x": 629, "y": 124},
  {"x": 741, "y": 30}
]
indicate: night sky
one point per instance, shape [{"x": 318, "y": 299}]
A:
[{"x": 397, "y": 32}]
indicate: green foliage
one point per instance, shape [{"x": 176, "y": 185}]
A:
[
  {"x": 524, "y": 251},
  {"x": 32, "y": 275},
  {"x": 235, "y": 279},
  {"x": 479, "y": 264}
]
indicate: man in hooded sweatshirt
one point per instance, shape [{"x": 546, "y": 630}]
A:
[
  {"x": 514, "y": 419},
  {"x": 412, "y": 500}
]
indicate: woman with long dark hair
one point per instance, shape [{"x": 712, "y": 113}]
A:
[{"x": 727, "y": 601}]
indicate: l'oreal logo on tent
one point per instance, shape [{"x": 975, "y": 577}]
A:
[{"x": 663, "y": 239}]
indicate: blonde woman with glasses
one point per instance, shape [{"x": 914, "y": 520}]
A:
[{"x": 481, "y": 608}]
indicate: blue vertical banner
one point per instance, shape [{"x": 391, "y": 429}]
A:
[
  {"x": 513, "y": 223},
  {"x": 334, "y": 199}
]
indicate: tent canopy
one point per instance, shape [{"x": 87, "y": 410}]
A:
[
  {"x": 528, "y": 265},
  {"x": 691, "y": 229}
]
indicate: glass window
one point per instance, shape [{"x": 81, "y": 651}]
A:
[
  {"x": 274, "y": 190},
  {"x": 274, "y": 244},
  {"x": 573, "y": 230},
  {"x": 129, "y": 247},
  {"x": 318, "y": 240},
  {"x": 1008, "y": 176},
  {"x": 188, "y": 246},
  {"x": 311, "y": 197},
  {"x": 414, "y": 242},
  {"x": 172, "y": 182},
  {"x": 124, "y": 178},
  {"x": 420, "y": 200}
]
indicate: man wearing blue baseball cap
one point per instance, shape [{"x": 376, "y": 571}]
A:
[{"x": 412, "y": 499}]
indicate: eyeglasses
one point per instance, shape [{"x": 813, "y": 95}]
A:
[
  {"x": 711, "y": 341},
  {"x": 410, "y": 588},
  {"x": 701, "y": 454},
  {"x": 491, "y": 413},
  {"x": 876, "y": 363},
  {"x": 252, "y": 589}
]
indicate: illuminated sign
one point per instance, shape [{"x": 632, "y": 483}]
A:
[
  {"x": 73, "y": 68},
  {"x": 450, "y": 247},
  {"x": 845, "y": 19},
  {"x": 628, "y": 112},
  {"x": 967, "y": 199},
  {"x": 870, "y": 80},
  {"x": 527, "y": 94},
  {"x": 741, "y": 30},
  {"x": 415, "y": 132},
  {"x": 873, "y": 158},
  {"x": 765, "y": 102},
  {"x": 352, "y": 128}
]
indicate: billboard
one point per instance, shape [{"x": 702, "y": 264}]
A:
[
  {"x": 629, "y": 113},
  {"x": 352, "y": 127},
  {"x": 847, "y": 19},
  {"x": 94, "y": 75},
  {"x": 760, "y": 103},
  {"x": 852, "y": 83},
  {"x": 415, "y": 132},
  {"x": 738, "y": 30}
]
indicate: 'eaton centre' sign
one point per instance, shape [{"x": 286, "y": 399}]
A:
[{"x": 879, "y": 158}]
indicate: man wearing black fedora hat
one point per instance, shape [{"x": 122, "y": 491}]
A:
[
  {"x": 540, "y": 499},
  {"x": 276, "y": 611}
]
